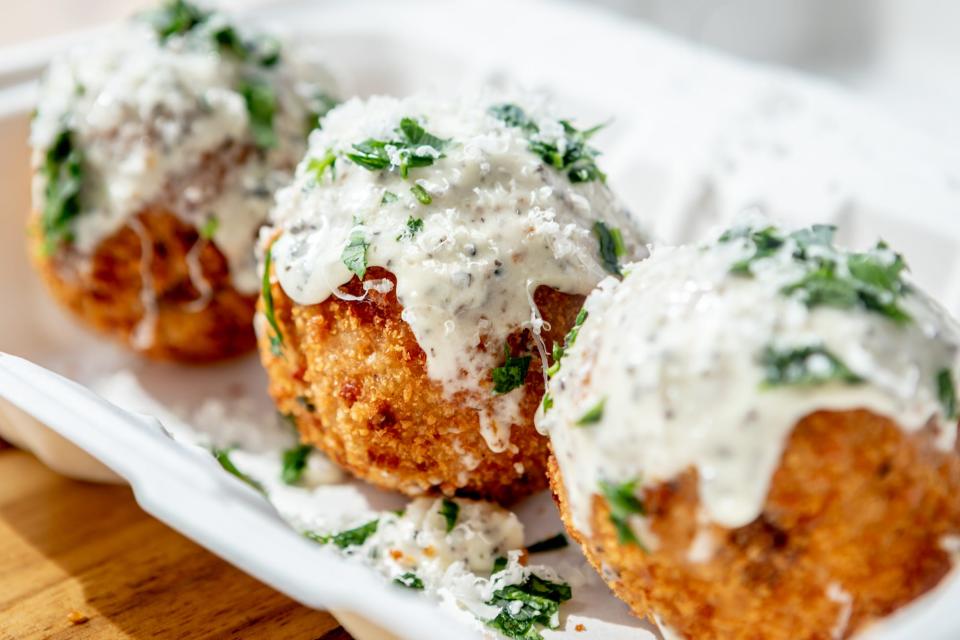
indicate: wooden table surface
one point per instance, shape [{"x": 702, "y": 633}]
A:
[{"x": 79, "y": 560}]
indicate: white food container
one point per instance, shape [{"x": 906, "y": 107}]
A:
[{"x": 695, "y": 139}]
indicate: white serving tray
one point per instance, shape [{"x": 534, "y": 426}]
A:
[{"x": 695, "y": 138}]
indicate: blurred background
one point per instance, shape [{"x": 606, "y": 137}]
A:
[{"x": 902, "y": 54}]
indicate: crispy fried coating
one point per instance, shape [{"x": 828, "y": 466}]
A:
[
  {"x": 851, "y": 531},
  {"x": 105, "y": 290},
  {"x": 354, "y": 378}
]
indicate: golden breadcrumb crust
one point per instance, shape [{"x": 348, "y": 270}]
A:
[
  {"x": 354, "y": 378},
  {"x": 856, "y": 509},
  {"x": 104, "y": 290}
]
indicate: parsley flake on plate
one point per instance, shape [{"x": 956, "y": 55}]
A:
[
  {"x": 349, "y": 538},
  {"x": 294, "y": 463},
  {"x": 409, "y": 580},
  {"x": 524, "y": 606},
  {"x": 450, "y": 511}
]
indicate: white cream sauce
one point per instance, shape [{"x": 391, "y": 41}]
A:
[
  {"x": 674, "y": 350},
  {"x": 501, "y": 223},
  {"x": 146, "y": 114}
]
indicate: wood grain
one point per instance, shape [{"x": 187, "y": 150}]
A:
[{"x": 81, "y": 561}]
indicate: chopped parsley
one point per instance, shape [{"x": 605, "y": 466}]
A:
[
  {"x": 414, "y": 226},
  {"x": 947, "y": 393},
  {"x": 229, "y": 42},
  {"x": 560, "y": 350},
  {"x": 209, "y": 228},
  {"x": 610, "y": 246},
  {"x": 63, "y": 171},
  {"x": 306, "y": 404},
  {"x": 294, "y": 463},
  {"x": 421, "y": 194},
  {"x": 553, "y": 543},
  {"x": 547, "y": 401},
  {"x": 809, "y": 365},
  {"x": 571, "y": 154},
  {"x": 266, "y": 292},
  {"x": 450, "y": 511},
  {"x": 349, "y": 538},
  {"x": 261, "y": 104},
  {"x": 354, "y": 255},
  {"x": 499, "y": 565},
  {"x": 413, "y": 147},
  {"x": 871, "y": 280},
  {"x": 389, "y": 197},
  {"x": 223, "y": 457},
  {"x": 319, "y": 166},
  {"x": 523, "y": 606},
  {"x": 512, "y": 373},
  {"x": 623, "y": 503},
  {"x": 176, "y": 18},
  {"x": 322, "y": 105},
  {"x": 409, "y": 580},
  {"x": 593, "y": 415}
]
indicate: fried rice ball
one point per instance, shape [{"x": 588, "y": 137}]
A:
[
  {"x": 742, "y": 456},
  {"x": 156, "y": 152},
  {"x": 428, "y": 259},
  {"x": 354, "y": 379},
  {"x": 180, "y": 322},
  {"x": 857, "y": 510}
]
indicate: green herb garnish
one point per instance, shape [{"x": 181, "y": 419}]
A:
[
  {"x": 176, "y": 18},
  {"x": 319, "y": 166},
  {"x": 63, "y": 171},
  {"x": 209, "y": 228},
  {"x": 572, "y": 155},
  {"x": 421, "y": 194},
  {"x": 354, "y": 255},
  {"x": 294, "y": 463},
  {"x": 593, "y": 415},
  {"x": 261, "y": 104},
  {"x": 323, "y": 104},
  {"x": 450, "y": 511},
  {"x": 229, "y": 42},
  {"x": 223, "y": 457},
  {"x": 809, "y": 365},
  {"x": 512, "y": 373},
  {"x": 552, "y": 543},
  {"x": 413, "y": 147},
  {"x": 349, "y": 538},
  {"x": 499, "y": 565},
  {"x": 409, "y": 580},
  {"x": 947, "y": 393},
  {"x": 414, "y": 225},
  {"x": 561, "y": 350},
  {"x": 547, "y": 401},
  {"x": 539, "y": 603},
  {"x": 389, "y": 197},
  {"x": 871, "y": 280},
  {"x": 610, "y": 246},
  {"x": 266, "y": 292},
  {"x": 623, "y": 503}
]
